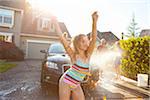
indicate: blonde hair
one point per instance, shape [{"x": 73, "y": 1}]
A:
[{"x": 76, "y": 42}]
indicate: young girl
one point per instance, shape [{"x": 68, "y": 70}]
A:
[{"x": 69, "y": 83}]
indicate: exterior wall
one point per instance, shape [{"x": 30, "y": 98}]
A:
[
  {"x": 18, "y": 20},
  {"x": 16, "y": 29}
]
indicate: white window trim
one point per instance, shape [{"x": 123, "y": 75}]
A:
[
  {"x": 45, "y": 21},
  {"x": 52, "y": 29},
  {"x": 6, "y": 24},
  {"x": 41, "y": 24}
]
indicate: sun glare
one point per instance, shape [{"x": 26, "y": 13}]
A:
[{"x": 76, "y": 13}]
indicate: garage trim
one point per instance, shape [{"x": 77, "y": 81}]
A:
[{"x": 35, "y": 41}]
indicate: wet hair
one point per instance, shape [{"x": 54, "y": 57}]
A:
[{"x": 76, "y": 42}]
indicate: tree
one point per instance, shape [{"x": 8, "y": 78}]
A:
[{"x": 133, "y": 29}]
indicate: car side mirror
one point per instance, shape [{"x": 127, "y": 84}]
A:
[{"x": 43, "y": 51}]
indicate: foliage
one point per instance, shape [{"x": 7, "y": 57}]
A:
[
  {"x": 133, "y": 29},
  {"x": 135, "y": 57},
  {"x": 9, "y": 51}
]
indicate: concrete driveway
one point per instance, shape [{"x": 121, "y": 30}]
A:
[{"x": 23, "y": 83}]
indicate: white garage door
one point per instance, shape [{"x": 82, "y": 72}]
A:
[{"x": 34, "y": 50}]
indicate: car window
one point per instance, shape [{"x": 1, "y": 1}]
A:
[{"x": 56, "y": 48}]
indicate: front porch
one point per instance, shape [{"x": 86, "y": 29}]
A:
[{"x": 8, "y": 37}]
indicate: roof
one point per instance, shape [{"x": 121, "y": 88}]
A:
[
  {"x": 64, "y": 28},
  {"x": 108, "y": 36},
  {"x": 19, "y": 4},
  {"x": 145, "y": 32},
  {"x": 30, "y": 21},
  {"x": 30, "y": 27}
]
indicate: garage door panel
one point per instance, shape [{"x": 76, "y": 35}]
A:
[{"x": 35, "y": 48}]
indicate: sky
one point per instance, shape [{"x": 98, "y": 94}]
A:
[{"x": 114, "y": 15}]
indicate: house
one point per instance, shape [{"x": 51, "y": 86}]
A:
[
  {"x": 10, "y": 22},
  {"x": 108, "y": 36},
  {"x": 28, "y": 29},
  {"x": 145, "y": 32}
]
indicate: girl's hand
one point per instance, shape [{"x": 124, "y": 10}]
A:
[{"x": 95, "y": 16}]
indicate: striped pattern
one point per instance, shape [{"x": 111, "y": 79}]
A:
[
  {"x": 76, "y": 74},
  {"x": 77, "y": 67}
]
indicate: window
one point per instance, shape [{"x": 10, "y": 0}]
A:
[
  {"x": 45, "y": 24},
  {"x": 52, "y": 27},
  {"x": 6, "y": 18},
  {"x": 0, "y": 18}
]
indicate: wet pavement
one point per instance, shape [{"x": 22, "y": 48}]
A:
[
  {"x": 113, "y": 89},
  {"x": 23, "y": 83}
]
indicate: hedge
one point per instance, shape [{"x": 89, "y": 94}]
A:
[
  {"x": 10, "y": 52},
  {"x": 135, "y": 57}
]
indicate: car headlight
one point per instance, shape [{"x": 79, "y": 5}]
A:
[{"x": 51, "y": 65}]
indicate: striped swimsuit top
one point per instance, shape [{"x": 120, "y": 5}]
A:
[{"x": 76, "y": 73}]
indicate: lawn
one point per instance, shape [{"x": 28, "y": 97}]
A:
[{"x": 4, "y": 66}]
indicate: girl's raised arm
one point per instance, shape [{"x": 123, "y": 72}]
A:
[
  {"x": 63, "y": 39},
  {"x": 93, "y": 35}
]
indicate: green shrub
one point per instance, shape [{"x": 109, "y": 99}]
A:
[{"x": 135, "y": 57}]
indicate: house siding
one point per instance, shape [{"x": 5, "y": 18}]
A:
[{"x": 16, "y": 29}]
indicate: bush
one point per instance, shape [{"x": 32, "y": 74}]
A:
[
  {"x": 9, "y": 52},
  {"x": 135, "y": 57}
]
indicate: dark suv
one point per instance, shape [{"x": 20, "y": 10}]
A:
[{"x": 54, "y": 63}]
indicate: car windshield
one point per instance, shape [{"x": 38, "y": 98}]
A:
[{"x": 56, "y": 48}]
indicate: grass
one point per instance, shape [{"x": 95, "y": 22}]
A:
[{"x": 4, "y": 66}]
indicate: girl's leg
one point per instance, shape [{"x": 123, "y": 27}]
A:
[
  {"x": 77, "y": 94},
  {"x": 64, "y": 90}
]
